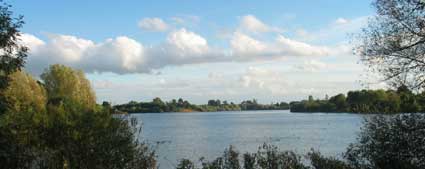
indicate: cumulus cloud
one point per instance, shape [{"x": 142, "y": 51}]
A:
[
  {"x": 118, "y": 55},
  {"x": 181, "y": 47},
  {"x": 292, "y": 47},
  {"x": 252, "y": 24},
  {"x": 245, "y": 47},
  {"x": 153, "y": 24}
]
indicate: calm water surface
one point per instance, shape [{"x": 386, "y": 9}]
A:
[{"x": 192, "y": 135}]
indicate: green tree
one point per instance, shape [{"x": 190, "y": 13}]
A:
[
  {"x": 12, "y": 59},
  {"x": 12, "y": 55},
  {"x": 65, "y": 85},
  {"x": 408, "y": 100},
  {"x": 390, "y": 142},
  {"x": 340, "y": 102},
  {"x": 24, "y": 94},
  {"x": 310, "y": 98}
]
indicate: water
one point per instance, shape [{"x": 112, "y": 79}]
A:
[{"x": 193, "y": 135}]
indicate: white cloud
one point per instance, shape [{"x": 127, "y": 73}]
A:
[
  {"x": 181, "y": 47},
  {"x": 252, "y": 24},
  {"x": 118, "y": 55},
  {"x": 153, "y": 24},
  {"x": 188, "y": 42},
  {"x": 245, "y": 47},
  {"x": 292, "y": 47},
  {"x": 31, "y": 41}
]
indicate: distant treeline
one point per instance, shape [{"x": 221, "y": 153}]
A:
[
  {"x": 180, "y": 105},
  {"x": 401, "y": 100}
]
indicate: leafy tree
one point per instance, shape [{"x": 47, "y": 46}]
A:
[
  {"x": 393, "y": 42},
  {"x": 340, "y": 102},
  {"x": 310, "y": 98},
  {"x": 158, "y": 101},
  {"x": 267, "y": 157},
  {"x": 185, "y": 164},
  {"x": 390, "y": 142},
  {"x": 12, "y": 54},
  {"x": 32, "y": 136},
  {"x": 24, "y": 94},
  {"x": 229, "y": 160},
  {"x": 25, "y": 115},
  {"x": 12, "y": 57},
  {"x": 67, "y": 86},
  {"x": 318, "y": 161},
  {"x": 365, "y": 101}
]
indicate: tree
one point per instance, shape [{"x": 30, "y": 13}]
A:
[
  {"x": 12, "y": 59},
  {"x": 12, "y": 54},
  {"x": 180, "y": 102},
  {"x": 393, "y": 43},
  {"x": 158, "y": 101},
  {"x": 35, "y": 137},
  {"x": 310, "y": 98},
  {"x": 25, "y": 94},
  {"x": 339, "y": 101},
  {"x": 65, "y": 85},
  {"x": 21, "y": 122},
  {"x": 390, "y": 142}
]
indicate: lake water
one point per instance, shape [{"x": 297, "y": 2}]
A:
[{"x": 193, "y": 135}]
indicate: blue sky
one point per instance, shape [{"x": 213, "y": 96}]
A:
[{"x": 200, "y": 50}]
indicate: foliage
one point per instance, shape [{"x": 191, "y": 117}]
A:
[
  {"x": 24, "y": 94},
  {"x": 267, "y": 157},
  {"x": 366, "y": 101},
  {"x": 72, "y": 133},
  {"x": 66, "y": 87},
  {"x": 180, "y": 105},
  {"x": 318, "y": 161},
  {"x": 390, "y": 142},
  {"x": 393, "y": 42},
  {"x": 12, "y": 54},
  {"x": 229, "y": 160},
  {"x": 185, "y": 164}
]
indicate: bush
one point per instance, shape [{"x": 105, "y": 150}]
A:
[
  {"x": 318, "y": 161},
  {"x": 65, "y": 128},
  {"x": 390, "y": 142},
  {"x": 186, "y": 164}
]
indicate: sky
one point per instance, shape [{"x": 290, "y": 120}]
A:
[{"x": 200, "y": 50}]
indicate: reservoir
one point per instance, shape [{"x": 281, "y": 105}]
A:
[{"x": 207, "y": 134}]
